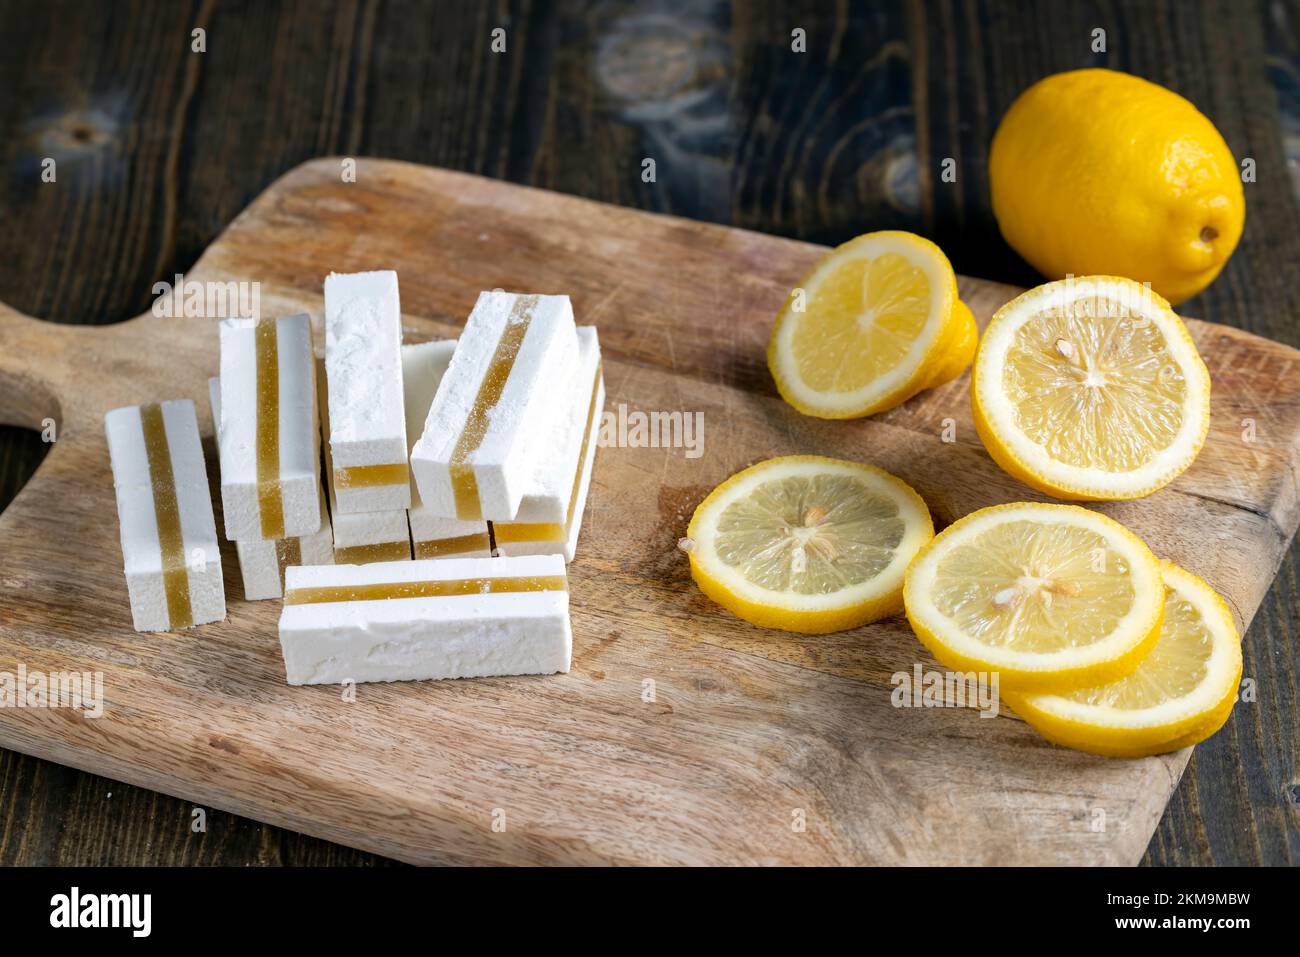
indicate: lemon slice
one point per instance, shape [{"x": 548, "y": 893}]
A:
[
  {"x": 875, "y": 322},
  {"x": 1180, "y": 694},
  {"x": 809, "y": 544},
  {"x": 1090, "y": 389},
  {"x": 1049, "y": 596}
]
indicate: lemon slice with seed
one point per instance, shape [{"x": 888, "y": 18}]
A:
[
  {"x": 1049, "y": 596},
  {"x": 876, "y": 321},
  {"x": 1090, "y": 389},
  {"x": 1180, "y": 694},
  {"x": 808, "y": 544}
]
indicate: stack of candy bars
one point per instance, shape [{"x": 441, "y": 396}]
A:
[{"x": 433, "y": 542}]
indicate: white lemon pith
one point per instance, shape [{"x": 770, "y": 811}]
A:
[
  {"x": 1048, "y": 596},
  {"x": 1181, "y": 693},
  {"x": 876, "y": 321},
  {"x": 1090, "y": 389},
  {"x": 809, "y": 544}
]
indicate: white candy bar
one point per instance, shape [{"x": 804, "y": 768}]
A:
[
  {"x": 479, "y": 448},
  {"x": 550, "y": 515},
  {"x": 371, "y": 537},
  {"x": 282, "y": 498},
  {"x": 262, "y": 561},
  {"x": 361, "y": 537},
  {"x": 363, "y": 364},
  {"x": 332, "y": 630},
  {"x": 164, "y": 508},
  {"x": 434, "y": 535}
]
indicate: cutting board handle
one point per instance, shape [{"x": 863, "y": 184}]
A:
[{"x": 33, "y": 366}]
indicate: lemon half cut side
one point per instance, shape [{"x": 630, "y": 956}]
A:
[
  {"x": 1090, "y": 389},
  {"x": 876, "y": 321}
]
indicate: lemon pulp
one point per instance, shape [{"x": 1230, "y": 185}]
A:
[
  {"x": 1028, "y": 586},
  {"x": 1053, "y": 597},
  {"x": 811, "y": 535},
  {"x": 874, "y": 322},
  {"x": 1181, "y": 692},
  {"x": 1090, "y": 388},
  {"x": 1093, "y": 390},
  {"x": 871, "y": 312},
  {"x": 806, "y": 543},
  {"x": 1176, "y": 665}
]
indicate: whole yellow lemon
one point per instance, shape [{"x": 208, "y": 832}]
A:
[{"x": 1094, "y": 172}]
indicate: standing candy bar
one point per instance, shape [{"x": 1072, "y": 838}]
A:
[
  {"x": 164, "y": 508},
  {"x": 270, "y": 453},
  {"x": 262, "y": 561},
  {"x": 363, "y": 365},
  {"x": 434, "y": 535},
  {"x": 550, "y": 515},
  {"x": 371, "y": 537},
  {"x": 359, "y": 537},
  {"x": 495, "y": 405}
]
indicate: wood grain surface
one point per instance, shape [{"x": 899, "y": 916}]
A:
[
  {"x": 158, "y": 148},
  {"x": 746, "y": 730}
]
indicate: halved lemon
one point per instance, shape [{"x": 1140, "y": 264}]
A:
[
  {"x": 1090, "y": 389},
  {"x": 1180, "y": 694},
  {"x": 875, "y": 322},
  {"x": 959, "y": 349},
  {"x": 1049, "y": 596},
  {"x": 809, "y": 544}
]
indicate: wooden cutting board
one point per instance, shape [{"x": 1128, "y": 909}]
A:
[{"x": 682, "y": 735}]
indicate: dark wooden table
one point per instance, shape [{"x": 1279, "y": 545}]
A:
[{"x": 158, "y": 147}]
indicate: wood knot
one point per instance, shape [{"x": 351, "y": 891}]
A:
[
  {"x": 654, "y": 58},
  {"x": 75, "y": 132}
]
